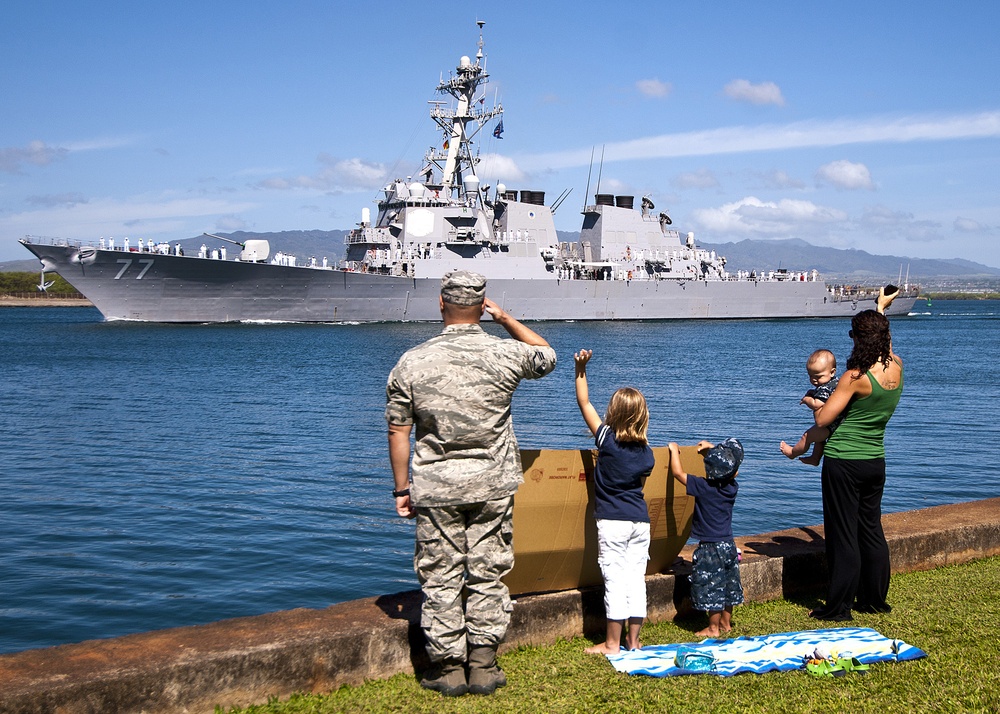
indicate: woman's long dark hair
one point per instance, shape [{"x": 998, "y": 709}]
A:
[{"x": 872, "y": 343}]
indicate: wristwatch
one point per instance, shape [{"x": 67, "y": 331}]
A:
[{"x": 404, "y": 492}]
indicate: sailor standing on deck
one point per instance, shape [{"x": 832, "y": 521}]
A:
[{"x": 456, "y": 388}]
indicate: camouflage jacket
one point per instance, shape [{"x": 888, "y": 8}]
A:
[{"x": 456, "y": 390}]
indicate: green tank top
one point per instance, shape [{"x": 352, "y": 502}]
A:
[{"x": 861, "y": 434}]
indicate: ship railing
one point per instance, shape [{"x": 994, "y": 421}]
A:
[
  {"x": 124, "y": 246},
  {"x": 845, "y": 293},
  {"x": 378, "y": 236},
  {"x": 47, "y": 240}
]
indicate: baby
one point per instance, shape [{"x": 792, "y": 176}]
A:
[{"x": 822, "y": 369}]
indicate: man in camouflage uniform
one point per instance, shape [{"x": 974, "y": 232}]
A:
[{"x": 456, "y": 388}]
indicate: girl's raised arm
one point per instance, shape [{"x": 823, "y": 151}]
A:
[{"x": 590, "y": 415}]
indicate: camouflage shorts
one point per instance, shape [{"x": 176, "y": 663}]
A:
[{"x": 715, "y": 582}]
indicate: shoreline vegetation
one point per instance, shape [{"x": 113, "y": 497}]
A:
[
  {"x": 950, "y": 613},
  {"x": 44, "y": 300}
]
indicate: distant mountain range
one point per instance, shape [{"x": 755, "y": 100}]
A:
[{"x": 855, "y": 266}]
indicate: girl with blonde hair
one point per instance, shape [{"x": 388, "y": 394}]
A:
[{"x": 624, "y": 460}]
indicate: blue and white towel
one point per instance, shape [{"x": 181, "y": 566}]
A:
[{"x": 767, "y": 653}]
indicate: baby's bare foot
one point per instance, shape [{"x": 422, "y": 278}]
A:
[{"x": 787, "y": 450}]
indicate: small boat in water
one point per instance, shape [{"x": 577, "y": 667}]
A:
[{"x": 628, "y": 264}]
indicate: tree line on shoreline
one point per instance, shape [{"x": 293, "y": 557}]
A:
[{"x": 23, "y": 283}]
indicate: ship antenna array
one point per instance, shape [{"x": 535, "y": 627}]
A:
[
  {"x": 600, "y": 170},
  {"x": 589, "y": 172}
]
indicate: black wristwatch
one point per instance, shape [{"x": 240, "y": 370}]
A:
[{"x": 404, "y": 492}]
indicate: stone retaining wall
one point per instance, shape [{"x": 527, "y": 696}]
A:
[{"x": 246, "y": 660}]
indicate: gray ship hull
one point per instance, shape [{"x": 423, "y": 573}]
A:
[{"x": 170, "y": 288}]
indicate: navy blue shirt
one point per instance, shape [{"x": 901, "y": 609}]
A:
[
  {"x": 713, "y": 508},
  {"x": 618, "y": 478}
]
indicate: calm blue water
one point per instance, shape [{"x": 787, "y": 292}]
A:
[{"x": 154, "y": 476}]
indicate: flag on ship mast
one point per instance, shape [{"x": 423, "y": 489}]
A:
[{"x": 499, "y": 130}]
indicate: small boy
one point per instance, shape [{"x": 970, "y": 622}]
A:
[
  {"x": 822, "y": 369},
  {"x": 715, "y": 582}
]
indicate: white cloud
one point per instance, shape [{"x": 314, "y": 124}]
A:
[
  {"x": 751, "y": 216},
  {"x": 613, "y": 186},
  {"x": 148, "y": 216},
  {"x": 496, "y": 168},
  {"x": 654, "y": 87},
  {"x": 104, "y": 142},
  {"x": 335, "y": 175},
  {"x": 702, "y": 179},
  {"x": 967, "y": 225},
  {"x": 845, "y": 174},
  {"x": 742, "y": 90},
  {"x": 889, "y": 224},
  {"x": 352, "y": 173},
  {"x": 37, "y": 153},
  {"x": 778, "y": 179},
  {"x": 228, "y": 224},
  {"x": 797, "y": 135},
  {"x": 56, "y": 199}
]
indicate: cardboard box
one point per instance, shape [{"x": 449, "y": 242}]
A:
[{"x": 555, "y": 534}]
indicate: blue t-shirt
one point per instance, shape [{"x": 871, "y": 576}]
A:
[
  {"x": 824, "y": 391},
  {"x": 713, "y": 508},
  {"x": 618, "y": 478}
]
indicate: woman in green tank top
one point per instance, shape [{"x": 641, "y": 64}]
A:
[{"x": 857, "y": 554}]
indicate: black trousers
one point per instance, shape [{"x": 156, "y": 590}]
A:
[{"x": 857, "y": 554}]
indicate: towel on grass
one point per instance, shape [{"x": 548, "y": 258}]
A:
[{"x": 767, "y": 653}]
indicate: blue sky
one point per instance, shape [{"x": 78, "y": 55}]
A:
[{"x": 851, "y": 124}]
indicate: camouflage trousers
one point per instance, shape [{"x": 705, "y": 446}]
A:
[{"x": 461, "y": 554}]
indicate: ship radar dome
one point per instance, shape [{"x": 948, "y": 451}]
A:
[{"x": 464, "y": 62}]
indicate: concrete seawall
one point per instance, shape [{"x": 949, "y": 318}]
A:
[{"x": 246, "y": 660}]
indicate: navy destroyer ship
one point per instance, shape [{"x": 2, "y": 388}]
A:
[{"x": 628, "y": 264}]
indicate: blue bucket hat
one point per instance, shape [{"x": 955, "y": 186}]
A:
[{"x": 723, "y": 460}]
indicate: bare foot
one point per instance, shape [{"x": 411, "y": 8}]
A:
[
  {"x": 707, "y": 632},
  {"x": 603, "y": 649},
  {"x": 811, "y": 460},
  {"x": 633, "y": 645},
  {"x": 787, "y": 450}
]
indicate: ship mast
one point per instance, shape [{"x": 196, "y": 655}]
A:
[{"x": 464, "y": 123}]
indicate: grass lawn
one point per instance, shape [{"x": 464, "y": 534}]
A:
[{"x": 951, "y": 613}]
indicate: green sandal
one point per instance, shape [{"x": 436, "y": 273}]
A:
[
  {"x": 853, "y": 664},
  {"x": 825, "y": 668}
]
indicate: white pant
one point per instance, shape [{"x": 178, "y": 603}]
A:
[{"x": 622, "y": 552}]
